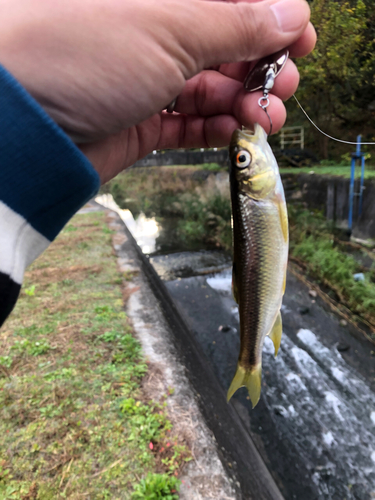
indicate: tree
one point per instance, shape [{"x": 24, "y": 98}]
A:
[{"x": 337, "y": 80}]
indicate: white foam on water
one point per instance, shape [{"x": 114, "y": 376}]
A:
[
  {"x": 307, "y": 336},
  {"x": 330, "y": 399},
  {"x": 339, "y": 374},
  {"x": 221, "y": 283},
  {"x": 328, "y": 438},
  {"x": 292, "y": 411},
  {"x": 335, "y": 403}
]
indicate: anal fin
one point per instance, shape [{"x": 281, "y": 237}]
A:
[
  {"x": 249, "y": 378},
  {"x": 275, "y": 333}
]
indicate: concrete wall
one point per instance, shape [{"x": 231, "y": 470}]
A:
[
  {"x": 173, "y": 157},
  {"x": 331, "y": 194}
]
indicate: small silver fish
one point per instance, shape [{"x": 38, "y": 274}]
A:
[{"x": 260, "y": 252}]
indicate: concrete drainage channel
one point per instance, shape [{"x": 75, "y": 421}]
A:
[
  {"x": 222, "y": 434},
  {"x": 314, "y": 426}
]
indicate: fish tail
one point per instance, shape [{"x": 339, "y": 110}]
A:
[{"x": 251, "y": 378}]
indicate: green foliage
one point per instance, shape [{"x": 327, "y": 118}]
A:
[
  {"x": 28, "y": 347},
  {"x": 172, "y": 463},
  {"x": 6, "y": 361},
  {"x": 157, "y": 486},
  {"x": 61, "y": 374},
  {"x": 149, "y": 422},
  {"x": 337, "y": 78},
  {"x": 30, "y": 291},
  {"x": 312, "y": 241},
  {"x": 206, "y": 220}
]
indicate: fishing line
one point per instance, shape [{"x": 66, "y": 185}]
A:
[{"x": 327, "y": 135}]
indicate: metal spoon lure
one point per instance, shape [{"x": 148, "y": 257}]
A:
[{"x": 262, "y": 77}]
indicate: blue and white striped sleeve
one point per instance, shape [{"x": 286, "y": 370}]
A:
[{"x": 44, "y": 180}]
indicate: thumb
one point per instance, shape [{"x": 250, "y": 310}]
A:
[{"x": 222, "y": 32}]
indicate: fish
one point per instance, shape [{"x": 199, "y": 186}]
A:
[{"x": 260, "y": 252}]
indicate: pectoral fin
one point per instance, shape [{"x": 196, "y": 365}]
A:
[
  {"x": 275, "y": 333},
  {"x": 251, "y": 379},
  {"x": 283, "y": 219},
  {"x": 234, "y": 284}
]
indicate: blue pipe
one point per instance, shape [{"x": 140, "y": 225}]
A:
[
  {"x": 361, "y": 189},
  {"x": 351, "y": 196}
]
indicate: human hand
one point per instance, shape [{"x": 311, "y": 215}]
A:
[{"x": 105, "y": 70}]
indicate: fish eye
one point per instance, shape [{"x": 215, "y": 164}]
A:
[{"x": 243, "y": 159}]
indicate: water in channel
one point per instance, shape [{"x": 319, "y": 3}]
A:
[{"x": 315, "y": 422}]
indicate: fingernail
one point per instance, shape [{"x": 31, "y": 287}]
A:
[{"x": 290, "y": 14}]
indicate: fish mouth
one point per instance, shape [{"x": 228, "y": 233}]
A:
[
  {"x": 247, "y": 135},
  {"x": 251, "y": 134}
]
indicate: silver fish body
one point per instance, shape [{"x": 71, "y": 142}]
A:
[{"x": 260, "y": 251}]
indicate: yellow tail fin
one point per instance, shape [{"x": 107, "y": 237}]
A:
[{"x": 251, "y": 379}]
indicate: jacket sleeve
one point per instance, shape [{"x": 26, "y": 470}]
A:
[{"x": 44, "y": 180}]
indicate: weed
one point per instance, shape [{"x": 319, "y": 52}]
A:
[
  {"x": 110, "y": 336},
  {"x": 173, "y": 462},
  {"x": 30, "y": 291},
  {"x": 157, "y": 486},
  {"x": 70, "y": 228},
  {"x": 149, "y": 422},
  {"x": 67, "y": 282},
  {"x": 6, "y": 361},
  {"x": 63, "y": 373},
  {"x": 313, "y": 242},
  {"x": 207, "y": 221},
  {"x": 31, "y": 348}
]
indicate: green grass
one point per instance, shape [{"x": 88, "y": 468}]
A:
[
  {"x": 74, "y": 422},
  {"x": 312, "y": 241},
  {"x": 331, "y": 170}
]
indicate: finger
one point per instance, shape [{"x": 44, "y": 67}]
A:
[
  {"x": 305, "y": 44},
  {"x": 286, "y": 82},
  {"x": 221, "y": 31},
  {"x": 211, "y": 93},
  {"x": 111, "y": 155},
  {"x": 186, "y": 131},
  {"x": 237, "y": 71}
]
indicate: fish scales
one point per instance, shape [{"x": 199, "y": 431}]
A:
[
  {"x": 257, "y": 259},
  {"x": 260, "y": 246}
]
